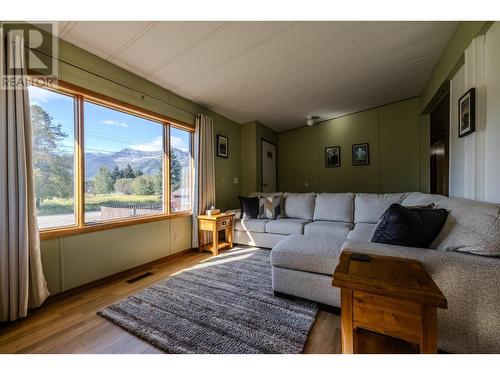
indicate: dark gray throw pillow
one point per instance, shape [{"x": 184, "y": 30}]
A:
[
  {"x": 249, "y": 207},
  {"x": 410, "y": 226}
]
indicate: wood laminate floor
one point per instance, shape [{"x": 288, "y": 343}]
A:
[{"x": 69, "y": 324}]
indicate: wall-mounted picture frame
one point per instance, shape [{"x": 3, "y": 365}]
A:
[
  {"x": 467, "y": 113},
  {"x": 360, "y": 154},
  {"x": 332, "y": 156},
  {"x": 222, "y": 146}
]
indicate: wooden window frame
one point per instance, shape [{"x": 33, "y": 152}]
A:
[{"x": 80, "y": 96}]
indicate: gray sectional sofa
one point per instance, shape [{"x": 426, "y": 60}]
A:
[{"x": 464, "y": 260}]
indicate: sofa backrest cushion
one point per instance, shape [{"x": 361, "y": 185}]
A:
[
  {"x": 471, "y": 226},
  {"x": 368, "y": 208},
  {"x": 260, "y": 194},
  {"x": 334, "y": 207},
  {"x": 299, "y": 205}
]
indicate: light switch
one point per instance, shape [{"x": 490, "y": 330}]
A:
[{"x": 236, "y": 181}]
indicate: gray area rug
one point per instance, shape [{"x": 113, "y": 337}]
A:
[{"x": 223, "y": 305}]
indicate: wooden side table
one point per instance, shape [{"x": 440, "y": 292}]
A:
[
  {"x": 214, "y": 224},
  {"x": 389, "y": 296}
]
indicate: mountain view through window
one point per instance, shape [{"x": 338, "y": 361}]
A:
[{"x": 123, "y": 165}]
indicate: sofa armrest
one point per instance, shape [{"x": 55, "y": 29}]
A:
[{"x": 236, "y": 212}]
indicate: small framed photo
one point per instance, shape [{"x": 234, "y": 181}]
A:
[
  {"x": 467, "y": 113},
  {"x": 222, "y": 146},
  {"x": 332, "y": 156},
  {"x": 360, "y": 154}
]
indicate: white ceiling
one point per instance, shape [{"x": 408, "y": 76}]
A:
[{"x": 277, "y": 73}]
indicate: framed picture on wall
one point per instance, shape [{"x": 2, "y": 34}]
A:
[
  {"x": 222, "y": 146},
  {"x": 467, "y": 113},
  {"x": 360, "y": 154},
  {"x": 332, "y": 156}
]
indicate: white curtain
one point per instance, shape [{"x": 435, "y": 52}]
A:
[
  {"x": 22, "y": 284},
  {"x": 204, "y": 170}
]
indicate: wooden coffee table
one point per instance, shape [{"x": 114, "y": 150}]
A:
[
  {"x": 389, "y": 297},
  {"x": 214, "y": 224}
]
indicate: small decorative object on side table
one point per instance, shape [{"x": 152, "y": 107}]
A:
[
  {"x": 214, "y": 224},
  {"x": 386, "y": 298}
]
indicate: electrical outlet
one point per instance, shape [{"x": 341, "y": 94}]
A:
[
  {"x": 177, "y": 236},
  {"x": 236, "y": 180}
]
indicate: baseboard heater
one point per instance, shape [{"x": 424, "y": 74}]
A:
[{"x": 140, "y": 277}]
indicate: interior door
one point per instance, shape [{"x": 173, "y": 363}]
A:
[
  {"x": 439, "y": 147},
  {"x": 269, "y": 161}
]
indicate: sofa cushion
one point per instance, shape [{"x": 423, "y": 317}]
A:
[
  {"x": 328, "y": 228},
  {"x": 270, "y": 207},
  {"x": 251, "y": 225},
  {"x": 249, "y": 207},
  {"x": 286, "y": 226},
  {"x": 334, "y": 207},
  {"x": 368, "y": 208},
  {"x": 414, "y": 227},
  {"x": 471, "y": 226},
  {"x": 318, "y": 254},
  {"x": 299, "y": 206},
  {"x": 362, "y": 232},
  {"x": 264, "y": 240}
]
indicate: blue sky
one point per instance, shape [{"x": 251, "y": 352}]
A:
[{"x": 106, "y": 130}]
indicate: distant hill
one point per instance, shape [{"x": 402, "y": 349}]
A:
[{"x": 148, "y": 162}]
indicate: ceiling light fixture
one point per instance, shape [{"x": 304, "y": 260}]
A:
[{"x": 311, "y": 120}]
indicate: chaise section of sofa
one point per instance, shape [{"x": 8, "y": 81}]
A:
[{"x": 463, "y": 260}]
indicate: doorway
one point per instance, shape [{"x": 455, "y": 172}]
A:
[
  {"x": 268, "y": 162},
  {"x": 440, "y": 147}
]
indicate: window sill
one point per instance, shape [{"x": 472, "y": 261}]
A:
[{"x": 50, "y": 234}]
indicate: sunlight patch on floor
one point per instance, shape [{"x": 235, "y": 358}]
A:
[{"x": 227, "y": 257}]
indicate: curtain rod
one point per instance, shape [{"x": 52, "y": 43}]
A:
[{"x": 116, "y": 83}]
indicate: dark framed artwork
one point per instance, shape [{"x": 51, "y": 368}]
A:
[
  {"x": 332, "y": 156},
  {"x": 222, "y": 146},
  {"x": 467, "y": 113},
  {"x": 360, "y": 154}
]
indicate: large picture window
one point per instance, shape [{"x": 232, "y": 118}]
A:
[
  {"x": 97, "y": 163},
  {"x": 53, "y": 134}
]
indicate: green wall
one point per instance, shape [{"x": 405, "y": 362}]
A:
[
  {"x": 393, "y": 134},
  {"x": 248, "y": 167},
  {"x": 252, "y": 135},
  {"x": 75, "y": 260}
]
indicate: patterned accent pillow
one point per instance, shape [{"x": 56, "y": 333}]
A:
[{"x": 270, "y": 208}]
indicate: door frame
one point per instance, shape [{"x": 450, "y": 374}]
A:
[{"x": 262, "y": 140}]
